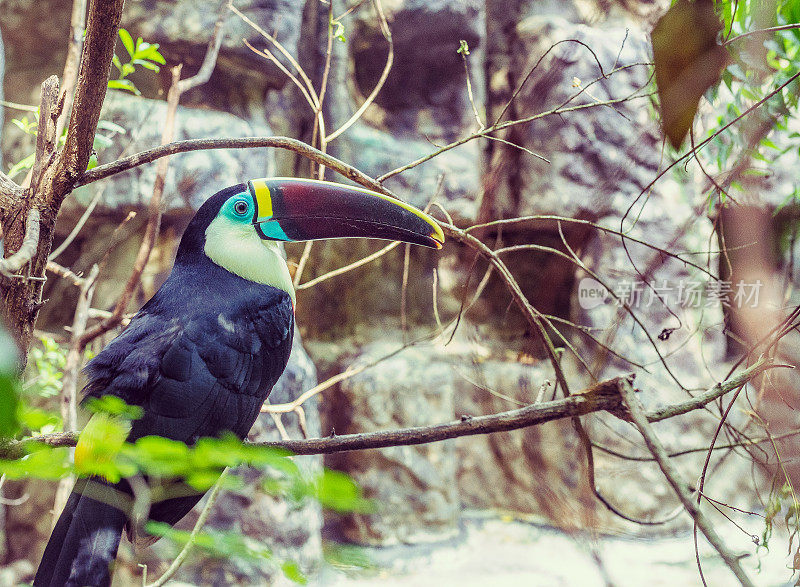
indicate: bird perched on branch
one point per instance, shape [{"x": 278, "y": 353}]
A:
[{"x": 203, "y": 354}]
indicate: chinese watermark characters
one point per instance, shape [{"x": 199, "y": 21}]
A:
[{"x": 684, "y": 293}]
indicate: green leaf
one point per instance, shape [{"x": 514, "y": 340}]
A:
[
  {"x": 93, "y": 162},
  {"x": 127, "y": 69},
  {"x": 123, "y": 84},
  {"x": 117, "y": 63},
  {"x": 338, "y": 492},
  {"x": 214, "y": 542},
  {"x": 147, "y": 65},
  {"x": 26, "y": 163},
  {"x": 114, "y": 406},
  {"x": 99, "y": 444},
  {"x": 463, "y": 48},
  {"x": 292, "y": 572},
  {"x": 39, "y": 420},
  {"x": 152, "y": 53},
  {"x": 25, "y": 125},
  {"x": 202, "y": 480},
  {"x": 46, "y": 463},
  {"x": 125, "y": 36},
  {"x": 9, "y": 405},
  {"x": 337, "y": 30}
]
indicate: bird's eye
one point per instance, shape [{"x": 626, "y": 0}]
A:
[{"x": 241, "y": 207}]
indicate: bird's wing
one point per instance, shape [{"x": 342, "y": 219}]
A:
[{"x": 198, "y": 375}]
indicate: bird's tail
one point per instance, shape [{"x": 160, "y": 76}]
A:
[{"x": 84, "y": 543}]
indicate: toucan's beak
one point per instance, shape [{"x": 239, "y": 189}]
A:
[{"x": 289, "y": 209}]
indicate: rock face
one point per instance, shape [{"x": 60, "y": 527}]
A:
[
  {"x": 241, "y": 77},
  {"x": 606, "y": 154},
  {"x": 413, "y": 487}
]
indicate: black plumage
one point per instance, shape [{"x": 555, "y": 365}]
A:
[{"x": 200, "y": 357}]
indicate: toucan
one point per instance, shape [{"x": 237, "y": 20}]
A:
[{"x": 202, "y": 355}]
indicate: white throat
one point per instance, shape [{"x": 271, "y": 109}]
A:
[{"x": 237, "y": 248}]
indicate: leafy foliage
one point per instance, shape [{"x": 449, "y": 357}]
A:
[
  {"x": 760, "y": 64},
  {"x": 140, "y": 53}
]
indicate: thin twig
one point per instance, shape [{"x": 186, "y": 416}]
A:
[
  {"x": 280, "y": 48},
  {"x": 387, "y": 34},
  {"x": 354, "y": 265},
  {"x": 78, "y": 225},
  {"x": 69, "y": 389},
  {"x": 187, "y": 548},
  {"x": 212, "y": 52},
  {"x": 65, "y": 272},
  {"x": 765, "y": 31},
  {"x": 641, "y": 421},
  {"x": 301, "y": 265},
  {"x": 153, "y": 223}
]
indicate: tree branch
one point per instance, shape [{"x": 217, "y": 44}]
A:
[
  {"x": 9, "y": 192},
  {"x": 153, "y": 222},
  {"x": 603, "y": 396},
  {"x": 641, "y": 421},
  {"x": 210, "y": 60},
  {"x": 287, "y": 143},
  {"x": 14, "y": 263},
  {"x": 98, "y": 49},
  {"x": 46, "y": 138},
  {"x": 70, "y": 76}
]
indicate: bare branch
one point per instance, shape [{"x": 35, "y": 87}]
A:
[
  {"x": 387, "y": 33},
  {"x": 287, "y": 143},
  {"x": 280, "y": 48},
  {"x": 69, "y": 390},
  {"x": 70, "y": 76},
  {"x": 153, "y": 223},
  {"x": 101, "y": 35},
  {"x": 65, "y": 272},
  {"x": 603, "y": 396},
  {"x": 561, "y": 109},
  {"x": 14, "y": 263},
  {"x": 675, "y": 480},
  {"x": 210, "y": 59},
  {"x": 187, "y": 548},
  {"x": 766, "y": 31}
]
